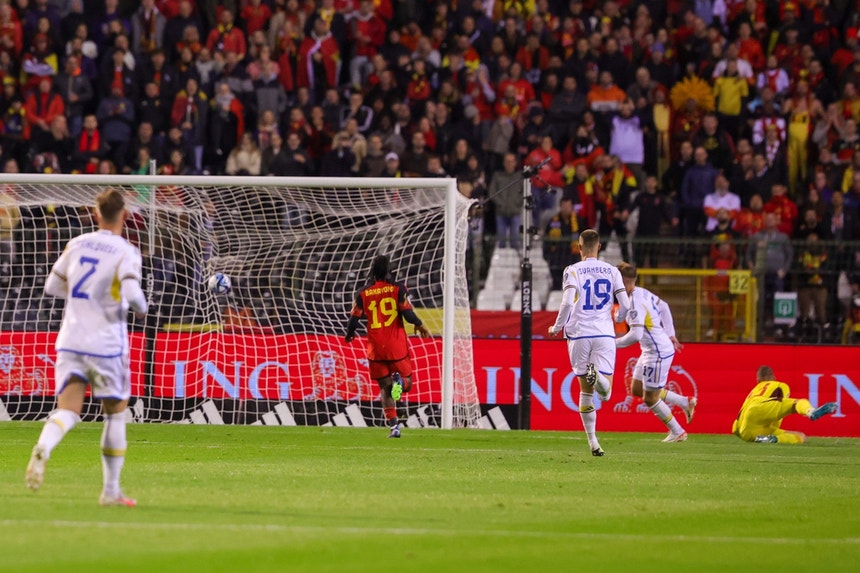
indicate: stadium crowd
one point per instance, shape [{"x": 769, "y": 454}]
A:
[{"x": 706, "y": 119}]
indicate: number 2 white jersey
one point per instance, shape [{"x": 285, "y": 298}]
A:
[
  {"x": 590, "y": 288},
  {"x": 645, "y": 312},
  {"x": 95, "y": 318}
]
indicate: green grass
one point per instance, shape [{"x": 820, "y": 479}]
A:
[{"x": 327, "y": 499}]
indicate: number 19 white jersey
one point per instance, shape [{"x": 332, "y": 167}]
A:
[
  {"x": 590, "y": 288},
  {"x": 95, "y": 318}
]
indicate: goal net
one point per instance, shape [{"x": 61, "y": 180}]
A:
[{"x": 271, "y": 351}]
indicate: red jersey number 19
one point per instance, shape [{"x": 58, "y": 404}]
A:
[{"x": 385, "y": 311}]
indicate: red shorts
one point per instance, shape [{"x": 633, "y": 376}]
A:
[{"x": 382, "y": 368}]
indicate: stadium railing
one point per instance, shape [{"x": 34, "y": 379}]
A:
[{"x": 733, "y": 305}]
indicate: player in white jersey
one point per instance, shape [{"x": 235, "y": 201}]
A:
[
  {"x": 591, "y": 287},
  {"x": 651, "y": 325},
  {"x": 99, "y": 275}
]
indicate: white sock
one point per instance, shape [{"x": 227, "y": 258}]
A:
[
  {"x": 114, "y": 444},
  {"x": 604, "y": 387},
  {"x": 662, "y": 411},
  {"x": 675, "y": 399},
  {"x": 589, "y": 417},
  {"x": 58, "y": 425}
]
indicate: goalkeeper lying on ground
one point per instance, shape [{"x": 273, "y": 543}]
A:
[{"x": 765, "y": 407}]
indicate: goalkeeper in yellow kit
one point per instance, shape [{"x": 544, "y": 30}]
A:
[{"x": 765, "y": 407}]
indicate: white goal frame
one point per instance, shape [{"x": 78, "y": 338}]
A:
[{"x": 450, "y": 226}]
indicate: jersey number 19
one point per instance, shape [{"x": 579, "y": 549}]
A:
[
  {"x": 598, "y": 295},
  {"x": 385, "y": 311}
]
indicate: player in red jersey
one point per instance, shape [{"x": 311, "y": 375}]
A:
[{"x": 386, "y": 305}]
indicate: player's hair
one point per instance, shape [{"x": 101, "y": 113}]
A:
[
  {"x": 628, "y": 271},
  {"x": 380, "y": 268},
  {"x": 589, "y": 239},
  {"x": 110, "y": 205},
  {"x": 764, "y": 373}
]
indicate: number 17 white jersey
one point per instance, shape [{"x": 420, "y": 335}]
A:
[
  {"x": 590, "y": 288},
  {"x": 95, "y": 318}
]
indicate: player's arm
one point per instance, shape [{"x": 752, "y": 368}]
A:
[
  {"x": 620, "y": 296},
  {"x": 404, "y": 307},
  {"x": 129, "y": 276},
  {"x": 57, "y": 283},
  {"x": 668, "y": 323},
  {"x": 635, "y": 318},
  {"x": 354, "y": 316},
  {"x": 132, "y": 292},
  {"x": 633, "y": 336},
  {"x": 412, "y": 318},
  {"x": 568, "y": 300}
]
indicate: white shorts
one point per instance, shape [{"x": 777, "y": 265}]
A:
[
  {"x": 600, "y": 350},
  {"x": 653, "y": 371},
  {"x": 107, "y": 377}
]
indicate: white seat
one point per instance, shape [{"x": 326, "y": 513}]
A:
[
  {"x": 542, "y": 274},
  {"x": 541, "y": 266},
  {"x": 503, "y": 273},
  {"x": 491, "y": 299},
  {"x": 540, "y": 292},
  {"x": 553, "y": 302},
  {"x": 517, "y": 302},
  {"x": 505, "y": 255},
  {"x": 504, "y": 284}
]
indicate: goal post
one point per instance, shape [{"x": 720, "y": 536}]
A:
[{"x": 271, "y": 351}]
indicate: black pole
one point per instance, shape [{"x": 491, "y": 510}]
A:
[
  {"x": 529, "y": 231},
  {"x": 525, "y": 385}
]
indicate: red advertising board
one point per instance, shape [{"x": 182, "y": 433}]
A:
[
  {"x": 279, "y": 367},
  {"x": 719, "y": 375},
  {"x": 295, "y": 367},
  {"x": 27, "y": 363}
]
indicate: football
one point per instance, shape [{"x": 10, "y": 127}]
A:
[{"x": 219, "y": 283}]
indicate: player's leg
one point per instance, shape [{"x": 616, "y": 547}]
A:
[
  {"x": 761, "y": 420},
  {"x": 688, "y": 404},
  {"x": 823, "y": 410},
  {"x": 664, "y": 413},
  {"x": 787, "y": 407},
  {"x": 600, "y": 381},
  {"x": 396, "y": 386},
  {"x": 772, "y": 413},
  {"x": 636, "y": 388},
  {"x": 389, "y": 406},
  {"x": 401, "y": 377},
  {"x": 788, "y": 437},
  {"x": 602, "y": 367},
  {"x": 71, "y": 386},
  {"x": 653, "y": 373},
  {"x": 579, "y": 351},
  {"x": 381, "y": 373},
  {"x": 756, "y": 433},
  {"x": 112, "y": 386},
  {"x": 114, "y": 445}
]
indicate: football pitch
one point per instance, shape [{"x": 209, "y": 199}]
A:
[{"x": 239, "y": 498}]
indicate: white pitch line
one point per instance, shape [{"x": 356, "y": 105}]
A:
[{"x": 416, "y": 531}]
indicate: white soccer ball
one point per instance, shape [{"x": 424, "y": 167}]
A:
[{"x": 219, "y": 283}]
